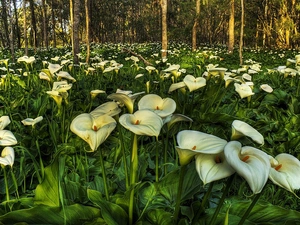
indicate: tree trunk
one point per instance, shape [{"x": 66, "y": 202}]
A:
[
  {"x": 53, "y": 25},
  {"x": 44, "y": 8},
  {"x": 196, "y": 26},
  {"x": 87, "y": 25},
  {"x": 74, "y": 17},
  {"x": 164, "y": 34},
  {"x": 5, "y": 22},
  {"x": 25, "y": 28},
  {"x": 242, "y": 32},
  {"x": 231, "y": 28},
  {"x": 33, "y": 25},
  {"x": 17, "y": 25}
]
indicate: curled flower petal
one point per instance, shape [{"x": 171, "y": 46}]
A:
[
  {"x": 240, "y": 129},
  {"x": 194, "y": 83},
  {"x": 250, "y": 163},
  {"x": 7, "y": 156},
  {"x": 4, "y": 121},
  {"x": 7, "y": 138},
  {"x": 285, "y": 171},
  {"x": 142, "y": 122}
]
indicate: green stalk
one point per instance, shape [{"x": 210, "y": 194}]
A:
[
  {"x": 6, "y": 183},
  {"x": 104, "y": 176},
  {"x": 15, "y": 183},
  {"x": 133, "y": 175},
  {"x": 156, "y": 162},
  {"x": 246, "y": 214},
  {"x": 203, "y": 203},
  {"x": 179, "y": 191},
  {"x": 166, "y": 141},
  {"x": 220, "y": 204},
  {"x": 124, "y": 157}
]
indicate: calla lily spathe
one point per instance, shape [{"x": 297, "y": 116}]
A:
[
  {"x": 240, "y": 129},
  {"x": 32, "y": 122},
  {"x": 142, "y": 122},
  {"x": 125, "y": 98},
  {"x": 7, "y": 156},
  {"x": 162, "y": 107},
  {"x": 93, "y": 130},
  {"x": 194, "y": 83},
  {"x": 108, "y": 108},
  {"x": 4, "y": 121},
  {"x": 250, "y": 163},
  {"x": 191, "y": 142},
  {"x": 243, "y": 90},
  {"x": 212, "y": 167},
  {"x": 7, "y": 138},
  {"x": 284, "y": 171}
]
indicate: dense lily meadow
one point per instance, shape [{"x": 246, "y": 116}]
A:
[{"x": 131, "y": 138}]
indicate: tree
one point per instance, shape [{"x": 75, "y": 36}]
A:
[
  {"x": 87, "y": 27},
  {"x": 164, "y": 29},
  {"x": 242, "y": 32},
  {"x": 231, "y": 28},
  {"x": 45, "y": 30},
  {"x": 196, "y": 25},
  {"x": 25, "y": 27},
  {"x": 5, "y": 23},
  {"x": 33, "y": 25},
  {"x": 74, "y": 22}
]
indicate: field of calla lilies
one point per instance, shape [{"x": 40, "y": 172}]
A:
[{"x": 133, "y": 139}]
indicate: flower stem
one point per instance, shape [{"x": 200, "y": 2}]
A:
[
  {"x": 6, "y": 183},
  {"x": 124, "y": 157},
  {"x": 104, "y": 176},
  {"x": 133, "y": 175},
  {"x": 179, "y": 191},
  {"x": 246, "y": 214},
  {"x": 220, "y": 204},
  {"x": 156, "y": 162}
]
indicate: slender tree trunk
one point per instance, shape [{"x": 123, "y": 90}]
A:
[
  {"x": 44, "y": 8},
  {"x": 196, "y": 26},
  {"x": 25, "y": 28},
  {"x": 87, "y": 24},
  {"x": 33, "y": 25},
  {"x": 5, "y": 22},
  {"x": 53, "y": 25},
  {"x": 17, "y": 25},
  {"x": 242, "y": 32},
  {"x": 164, "y": 36},
  {"x": 231, "y": 28},
  {"x": 74, "y": 17},
  {"x": 11, "y": 35}
]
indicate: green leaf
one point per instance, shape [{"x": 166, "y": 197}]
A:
[
  {"x": 168, "y": 186},
  {"x": 262, "y": 213},
  {"x": 42, "y": 214},
  {"x": 160, "y": 217},
  {"x": 112, "y": 213},
  {"x": 47, "y": 192}
]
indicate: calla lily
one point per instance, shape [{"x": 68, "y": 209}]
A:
[
  {"x": 212, "y": 167},
  {"x": 176, "y": 86},
  {"x": 32, "y": 122},
  {"x": 96, "y": 92},
  {"x": 142, "y": 122},
  {"x": 162, "y": 107},
  {"x": 178, "y": 118},
  {"x": 250, "y": 163},
  {"x": 243, "y": 90},
  {"x": 56, "y": 96},
  {"x": 65, "y": 75},
  {"x": 285, "y": 171},
  {"x": 26, "y": 59},
  {"x": 194, "y": 83},
  {"x": 4, "y": 121},
  {"x": 267, "y": 88},
  {"x": 108, "y": 108},
  {"x": 7, "y": 156},
  {"x": 53, "y": 68},
  {"x": 93, "y": 130},
  {"x": 61, "y": 86},
  {"x": 173, "y": 69},
  {"x": 44, "y": 76},
  {"x": 240, "y": 129},
  {"x": 124, "y": 99},
  {"x": 191, "y": 142},
  {"x": 7, "y": 138}
]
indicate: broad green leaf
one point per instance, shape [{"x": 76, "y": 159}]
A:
[
  {"x": 262, "y": 213},
  {"x": 160, "y": 217},
  {"x": 47, "y": 192},
  {"x": 112, "y": 213},
  {"x": 42, "y": 214},
  {"x": 168, "y": 186}
]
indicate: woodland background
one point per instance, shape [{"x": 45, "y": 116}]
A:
[{"x": 54, "y": 23}]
